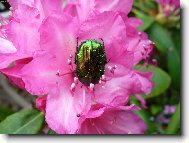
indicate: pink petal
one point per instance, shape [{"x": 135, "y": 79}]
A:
[
  {"x": 107, "y": 25},
  {"x": 114, "y": 122},
  {"x": 63, "y": 108},
  {"x": 7, "y": 59},
  {"x": 13, "y": 75},
  {"x": 6, "y": 47},
  {"x": 22, "y": 31},
  {"x": 135, "y": 22},
  {"x": 41, "y": 103},
  {"x": 140, "y": 46},
  {"x": 117, "y": 90},
  {"x": 145, "y": 81},
  {"x": 59, "y": 36},
  {"x": 47, "y": 7},
  {"x": 114, "y": 5},
  {"x": 84, "y": 9},
  {"x": 142, "y": 100},
  {"x": 39, "y": 75},
  {"x": 15, "y": 3}
]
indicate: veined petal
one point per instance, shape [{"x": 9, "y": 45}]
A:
[
  {"x": 39, "y": 75},
  {"x": 15, "y": 3},
  {"x": 145, "y": 81},
  {"x": 117, "y": 90},
  {"x": 114, "y": 122},
  {"x": 83, "y": 9},
  {"x": 64, "y": 108},
  {"x": 47, "y": 7},
  {"x": 58, "y": 36},
  {"x": 22, "y": 31},
  {"x": 114, "y": 5}
]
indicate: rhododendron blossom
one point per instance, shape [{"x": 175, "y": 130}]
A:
[
  {"x": 47, "y": 37},
  {"x": 170, "y": 7}
]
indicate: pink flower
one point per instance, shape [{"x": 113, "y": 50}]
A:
[
  {"x": 169, "y": 109},
  {"x": 45, "y": 64},
  {"x": 170, "y": 7}
]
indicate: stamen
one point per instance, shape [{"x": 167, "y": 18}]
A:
[
  {"x": 111, "y": 69},
  {"x": 78, "y": 115},
  {"x": 151, "y": 42},
  {"x": 103, "y": 78},
  {"x": 58, "y": 73},
  {"x": 142, "y": 53},
  {"x": 69, "y": 62},
  {"x": 75, "y": 80},
  {"x": 91, "y": 86},
  {"x": 154, "y": 62},
  {"x": 72, "y": 88},
  {"x": 71, "y": 56}
]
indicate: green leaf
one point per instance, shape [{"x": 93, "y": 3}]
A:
[
  {"x": 177, "y": 39},
  {"x": 24, "y": 122},
  {"x": 173, "y": 61},
  {"x": 51, "y": 132},
  {"x": 156, "y": 109},
  {"x": 161, "y": 37},
  {"x": 160, "y": 79},
  {"x": 4, "y": 112},
  {"x": 147, "y": 20}
]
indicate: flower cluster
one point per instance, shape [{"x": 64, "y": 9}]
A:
[
  {"x": 38, "y": 51},
  {"x": 170, "y": 7}
]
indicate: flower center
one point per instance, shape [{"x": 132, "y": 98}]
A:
[{"x": 90, "y": 60}]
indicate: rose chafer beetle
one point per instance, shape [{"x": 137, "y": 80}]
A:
[{"x": 90, "y": 60}]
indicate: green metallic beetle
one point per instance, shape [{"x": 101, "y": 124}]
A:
[{"x": 90, "y": 60}]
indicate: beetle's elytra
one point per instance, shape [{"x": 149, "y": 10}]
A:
[{"x": 90, "y": 60}]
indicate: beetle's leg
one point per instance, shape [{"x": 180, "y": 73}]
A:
[
  {"x": 77, "y": 48},
  {"x": 108, "y": 60},
  {"x": 102, "y": 41},
  {"x": 75, "y": 57}
]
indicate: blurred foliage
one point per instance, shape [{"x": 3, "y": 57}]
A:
[
  {"x": 164, "y": 31},
  {"x": 4, "y": 112},
  {"x": 24, "y": 122}
]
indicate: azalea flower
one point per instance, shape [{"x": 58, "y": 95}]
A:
[
  {"x": 48, "y": 55},
  {"x": 170, "y": 7}
]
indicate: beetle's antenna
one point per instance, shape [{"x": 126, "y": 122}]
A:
[
  {"x": 77, "y": 48},
  {"x": 102, "y": 41}
]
